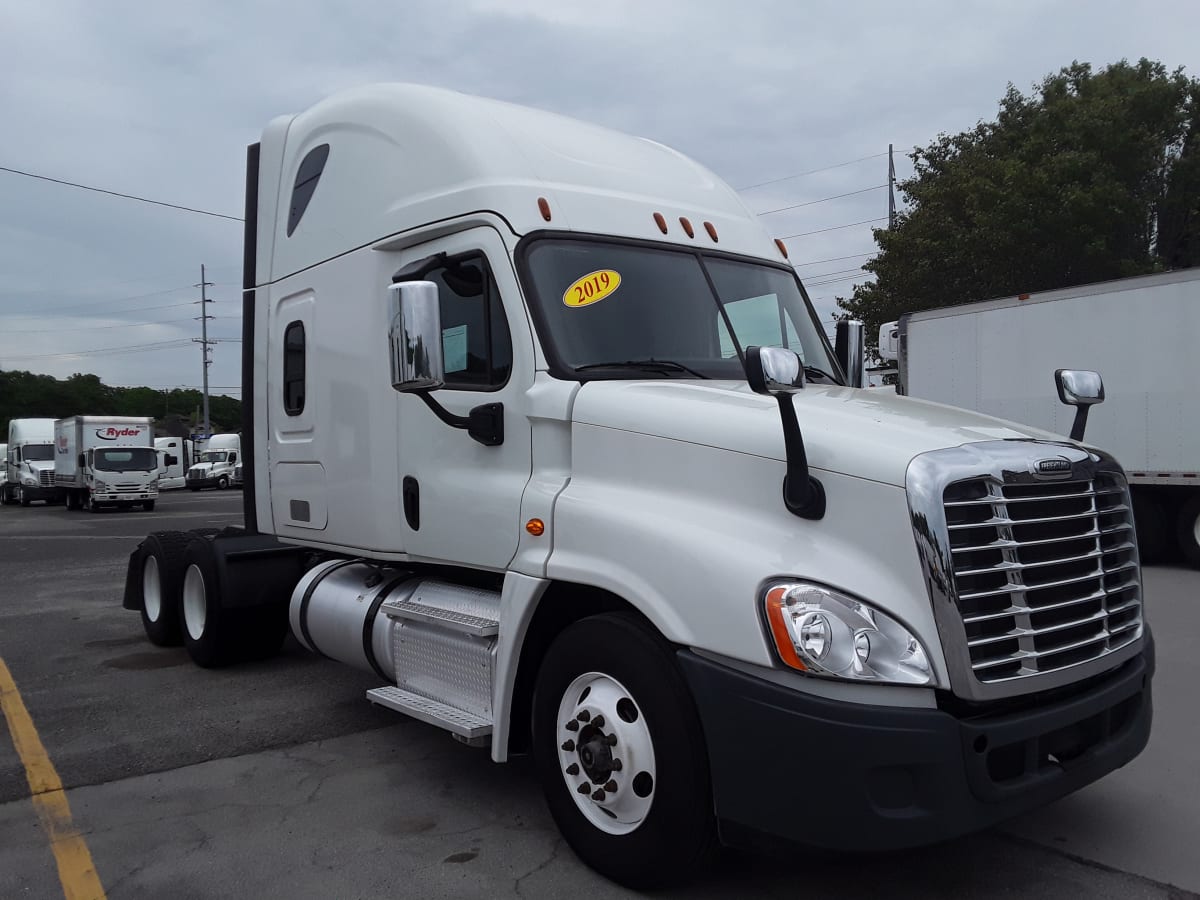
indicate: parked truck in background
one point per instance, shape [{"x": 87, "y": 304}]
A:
[
  {"x": 30, "y": 463},
  {"x": 175, "y": 458},
  {"x": 542, "y": 430},
  {"x": 213, "y": 466},
  {"x": 999, "y": 357},
  {"x": 3, "y": 467},
  {"x": 106, "y": 461}
]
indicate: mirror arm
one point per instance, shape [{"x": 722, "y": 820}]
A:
[
  {"x": 484, "y": 423},
  {"x": 1080, "y": 423},
  {"x": 802, "y": 494}
]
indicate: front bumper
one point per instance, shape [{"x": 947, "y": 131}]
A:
[
  {"x": 36, "y": 491},
  {"x": 201, "y": 482},
  {"x": 114, "y": 497},
  {"x": 848, "y": 776}
]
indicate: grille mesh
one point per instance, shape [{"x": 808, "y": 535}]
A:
[
  {"x": 1046, "y": 574},
  {"x": 46, "y": 478}
]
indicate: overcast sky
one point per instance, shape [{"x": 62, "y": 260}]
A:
[{"x": 161, "y": 99}]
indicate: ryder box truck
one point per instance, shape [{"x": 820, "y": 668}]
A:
[
  {"x": 106, "y": 461},
  {"x": 542, "y": 431}
]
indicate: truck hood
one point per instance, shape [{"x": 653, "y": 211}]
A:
[
  {"x": 40, "y": 465},
  {"x": 865, "y": 433}
]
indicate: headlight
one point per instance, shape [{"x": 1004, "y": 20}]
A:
[
  {"x": 29, "y": 479},
  {"x": 99, "y": 485},
  {"x": 819, "y": 631},
  {"x": 153, "y": 485}
]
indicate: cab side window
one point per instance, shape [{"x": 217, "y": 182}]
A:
[{"x": 476, "y": 344}]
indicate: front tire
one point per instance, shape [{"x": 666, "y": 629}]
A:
[
  {"x": 21, "y": 498},
  {"x": 148, "y": 505},
  {"x": 620, "y": 753},
  {"x": 222, "y": 482}
]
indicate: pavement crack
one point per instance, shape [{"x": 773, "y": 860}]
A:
[{"x": 554, "y": 849}]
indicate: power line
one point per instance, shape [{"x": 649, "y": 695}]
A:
[
  {"x": 848, "y": 162},
  {"x": 813, "y": 262},
  {"x": 86, "y": 187},
  {"x": 816, "y": 275},
  {"x": 132, "y": 348},
  {"x": 96, "y": 327},
  {"x": 788, "y": 237},
  {"x": 768, "y": 212},
  {"x": 837, "y": 280}
]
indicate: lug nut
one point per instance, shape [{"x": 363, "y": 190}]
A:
[
  {"x": 584, "y": 716},
  {"x": 573, "y": 769},
  {"x": 611, "y": 787},
  {"x": 615, "y": 765},
  {"x": 610, "y": 739},
  {"x": 583, "y": 788},
  {"x": 598, "y": 795},
  {"x": 572, "y": 725},
  {"x": 598, "y": 721},
  {"x": 568, "y": 746}
]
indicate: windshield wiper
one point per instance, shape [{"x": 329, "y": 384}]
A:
[
  {"x": 813, "y": 371},
  {"x": 649, "y": 365}
]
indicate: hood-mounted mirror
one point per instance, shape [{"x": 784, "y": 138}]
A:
[
  {"x": 779, "y": 373},
  {"x": 1081, "y": 389}
]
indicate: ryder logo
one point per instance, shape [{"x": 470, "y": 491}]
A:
[{"x": 111, "y": 434}]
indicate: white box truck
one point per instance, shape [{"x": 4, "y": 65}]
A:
[
  {"x": 999, "y": 357},
  {"x": 106, "y": 461},
  {"x": 3, "y": 467},
  {"x": 175, "y": 458},
  {"x": 213, "y": 466},
  {"x": 30, "y": 463},
  {"x": 541, "y": 429}
]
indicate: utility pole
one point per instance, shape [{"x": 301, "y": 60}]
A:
[
  {"x": 891, "y": 190},
  {"x": 204, "y": 342}
]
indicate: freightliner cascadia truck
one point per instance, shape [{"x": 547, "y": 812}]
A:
[{"x": 541, "y": 429}]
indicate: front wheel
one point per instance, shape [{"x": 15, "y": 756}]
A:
[
  {"x": 21, "y": 498},
  {"x": 222, "y": 482},
  {"x": 620, "y": 753}
]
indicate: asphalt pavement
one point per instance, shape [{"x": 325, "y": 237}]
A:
[{"x": 278, "y": 779}]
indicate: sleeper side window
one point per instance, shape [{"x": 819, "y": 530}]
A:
[
  {"x": 476, "y": 344},
  {"x": 293, "y": 368}
]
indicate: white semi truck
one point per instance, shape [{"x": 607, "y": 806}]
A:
[
  {"x": 3, "y": 467},
  {"x": 29, "y": 462},
  {"x": 106, "y": 461},
  {"x": 999, "y": 357},
  {"x": 175, "y": 458},
  {"x": 213, "y": 466},
  {"x": 541, "y": 429}
]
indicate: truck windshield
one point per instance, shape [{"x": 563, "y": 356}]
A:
[
  {"x": 126, "y": 459},
  {"x": 41, "y": 452},
  {"x": 617, "y": 310},
  {"x": 212, "y": 456}
]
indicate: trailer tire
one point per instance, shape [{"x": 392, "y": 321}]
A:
[
  {"x": 1188, "y": 530},
  {"x": 657, "y": 826},
  {"x": 211, "y": 633},
  {"x": 162, "y": 580}
]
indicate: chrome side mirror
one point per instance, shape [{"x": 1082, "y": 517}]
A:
[
  {"x": 774, "y": 370},
  {"x": 415, "y": 337},
  {"x": 780, "y": 373},
  {"x": 849, "y": 347},
  {"x": 1081, "y": 389}
]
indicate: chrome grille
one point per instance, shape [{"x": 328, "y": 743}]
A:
[
  {"x": 46, "y": 478},
  {"x": 1045, "y": 573},
  {"x": 128, "y": 487}
]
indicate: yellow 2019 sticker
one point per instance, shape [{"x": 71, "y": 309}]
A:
[{"x": 592, "y": 288}]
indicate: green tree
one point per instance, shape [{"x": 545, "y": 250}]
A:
[{"x": 1093, "y": 176}]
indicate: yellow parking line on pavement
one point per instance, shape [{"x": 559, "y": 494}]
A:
[{"x": 76, "y": 870}]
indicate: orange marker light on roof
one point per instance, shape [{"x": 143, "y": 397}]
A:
[
  {"x": 536, "y": 527},
  {"x": 660, "y": 222},
  {"x": 782, "y": 247},
  {"x": 687, "y": 227},
  {"x": 544, "y": 206},
  {"x": 712, "y": 230}
]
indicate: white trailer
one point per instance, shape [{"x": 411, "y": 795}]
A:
[
  {"x": 29, "y": 463},
  {"x": 175, "y": 458},
  {"x": 214, "y": 465},
  {"x": 106, "y": 460},
  {"x": 541, "y": 430},
  {"x": 999, "y": 357}
]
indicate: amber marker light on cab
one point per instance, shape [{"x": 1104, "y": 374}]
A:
[
  {"x": 712, "y": 230},
  {"x": 544, "y": 207},
  {"x": 779, "y": 630},
  {"x": 536, "y": 527},
  {"x": 782, "y": 247},
  {"x": 661, "y": 222}
]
